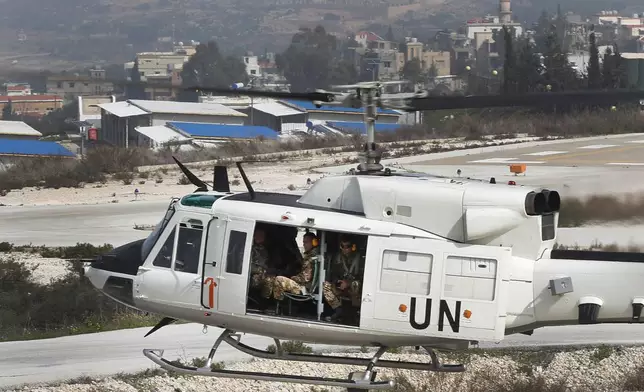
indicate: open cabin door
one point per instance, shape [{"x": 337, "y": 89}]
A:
[
  {"x": 226, "y": 265},
  {"x": 435, "y": 288}
]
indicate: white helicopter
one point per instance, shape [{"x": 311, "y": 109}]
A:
[{"x": 443, "y": 262}]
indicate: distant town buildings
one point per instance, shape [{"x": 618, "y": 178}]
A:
[{"x": 73, "y": 85}]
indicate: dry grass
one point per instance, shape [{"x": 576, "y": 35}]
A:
[
  {"x": 68, "y": 306},
  {"x": 577, "y": 212},
  {"x": 584, "y": 123},
  {"x": 598, "y": 246}
]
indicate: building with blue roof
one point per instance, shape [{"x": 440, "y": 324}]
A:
[
  {"x": 33, "y": 148},
  {"x": 222, "y": 131},
  {"x": 340, "y": 113}
]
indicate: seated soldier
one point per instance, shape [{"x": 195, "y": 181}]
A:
[
  {"x": 301, "y": 282},
  {"x": 259, "y": 268},
  {"x": 343, "y": 278}
]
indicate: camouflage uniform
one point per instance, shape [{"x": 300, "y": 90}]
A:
[
  {"x": 259, "y": 278},
  {"x": 295, "y": 283},
  {"x": 343, "y": 268}
]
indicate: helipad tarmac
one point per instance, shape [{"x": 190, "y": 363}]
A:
[
  {"x": 619, "y": 151},
  {"x": 579, "y": 167}
]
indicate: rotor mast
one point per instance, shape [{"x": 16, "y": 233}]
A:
[{"x": 370, "y": 155}]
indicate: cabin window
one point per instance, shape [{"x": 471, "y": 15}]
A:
[
  {"x": 164, "y": 257},
  {"x": 235, "y": 257},
  {"x": 189, "y": 247}
]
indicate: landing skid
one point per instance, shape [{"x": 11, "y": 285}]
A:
[{"x": 355, "y": 381}]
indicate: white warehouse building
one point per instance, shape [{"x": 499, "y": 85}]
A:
[{"x": 120, "y": 119}]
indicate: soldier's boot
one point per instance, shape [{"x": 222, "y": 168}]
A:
[{"x": 337, "y": 313}]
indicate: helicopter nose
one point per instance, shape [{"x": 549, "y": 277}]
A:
[{"x": 113, "y": 273}]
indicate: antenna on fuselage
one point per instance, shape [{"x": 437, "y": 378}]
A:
[
  {"x": 246, "y": 182},
  {"x": 220, "y": 181}
]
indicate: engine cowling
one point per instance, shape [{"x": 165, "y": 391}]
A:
[{"x": 458, "y": 210}]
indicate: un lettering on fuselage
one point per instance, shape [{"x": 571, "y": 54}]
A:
[{"x": 422, "y": 321}]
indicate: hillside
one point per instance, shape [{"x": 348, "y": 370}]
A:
[{"x": 112, "y": 31}]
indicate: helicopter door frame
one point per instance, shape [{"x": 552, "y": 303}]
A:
[
  {"x": 212, "y": 261},
  {"x": 425, "y": 287},
  {"x": 226, "y": 271}
]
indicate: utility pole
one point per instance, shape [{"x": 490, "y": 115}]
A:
[{"x": 83, "y": 126}]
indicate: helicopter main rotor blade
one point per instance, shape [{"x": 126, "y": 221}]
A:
[
  {"x": 311, "y": 96},
  {"x": 530, "y": 99}
]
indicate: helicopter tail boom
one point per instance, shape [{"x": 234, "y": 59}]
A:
[{"x": 589, "y": 287}]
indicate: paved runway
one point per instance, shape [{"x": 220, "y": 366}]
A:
[
  {"x": 574, "y": 167},
  {"x": 112, "y": 352},
  {"x": 621, "y": 151},
  {"x": 65, "y": 225}
]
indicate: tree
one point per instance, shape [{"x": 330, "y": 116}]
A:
[
  {"x": 510, "y": 76},
  {"x": 412, "y": 71},
  {"x": 558, "y": 71},
  {"x": 136, "y": 90},
  {"x": 390, "y": 35},
  {"x": 542, "y": 30},
  {"x": 432, "y": 72},
  {"x": 310, "y": 61},
  {"x": 608, "y": 70},
  {"x": 208, "y": 67},
  {"x": 619, "y": 73},
  {"x": 613, "y": 70},
  {"x": 7, "y": 111},
  {"x": 528, "y": 67},
  {"x": 594, "y": 71}
]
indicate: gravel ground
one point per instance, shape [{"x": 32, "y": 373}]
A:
[
  {"x": 45, "y": 270},
  {"x": 590, "y": 369}
]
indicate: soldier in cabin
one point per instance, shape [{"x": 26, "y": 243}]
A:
[
  {"x": 302, "y": 281},
  {"x": 260, "y": 277},
  {"x": 343, "y": 278}
]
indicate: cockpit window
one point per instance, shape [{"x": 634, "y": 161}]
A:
[
  {"x": 189, "y": 247},
  {"x": 154, "y": 236},
  {"x": 164, "y": 257}
]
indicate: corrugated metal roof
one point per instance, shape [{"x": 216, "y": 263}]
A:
[
  {"x": 309, "y": 106},
  {"x": 277, "y": 109},
  {"x": 33, "y": 148},
  {"x": 17, "y": 128},
  {"x": 223, "y": 131},
  {"x": 161, "y": 133},
  {"x": 173, "y": 107},
  {"x": 122, "y": 109},
  {"x": 361, "y": 127}
]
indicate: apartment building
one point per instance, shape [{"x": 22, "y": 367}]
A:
[
  {"x": 74, "y": 85},
  {"x": 32, "y": 105}
]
